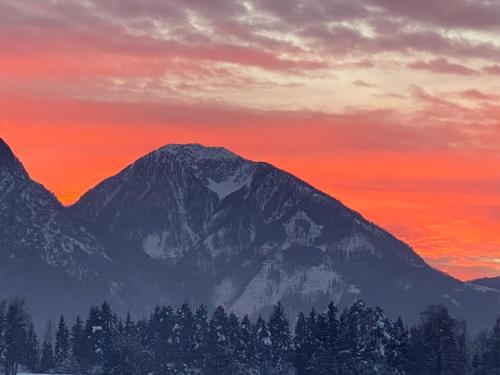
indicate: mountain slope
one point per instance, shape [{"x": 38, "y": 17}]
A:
[
  {"x": 46, "y": 255},
  {"x": 486, "y": 283},
  {"x": 225, "y": 230}
]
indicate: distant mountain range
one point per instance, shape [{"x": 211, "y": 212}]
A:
[
  {"x": 188, "y": 222},
  {"x": 487, "y": 282}
]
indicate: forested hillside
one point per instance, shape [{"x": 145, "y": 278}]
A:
[{"x": 357, "y": 341}]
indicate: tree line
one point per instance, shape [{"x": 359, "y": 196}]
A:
[{"x": 359, "y": 340}]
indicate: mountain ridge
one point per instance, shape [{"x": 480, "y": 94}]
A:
[
  {"x": 273, "y": 237},
  {"x": 487, "y": 282},
  {"x": 204, "y": 224},
  {"x": 45, "y": 254}
]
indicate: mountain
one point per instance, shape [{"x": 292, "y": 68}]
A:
[
  {"x": 487, "y": 283},
  {"x": 204, "y": 224},
  {"x": 188, "y": 222},
  {"x": 47, "y": 255}
]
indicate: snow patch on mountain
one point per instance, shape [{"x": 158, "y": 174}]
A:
[
  {"x": 215, "y": 243},
  {"x": 224, "y": 292},
  {"x": 232, "y": 183},
  {"x": 356, "y": 243},
  {"x": 194, "y": 151},
  {"x": 453, "y": 300},
  {"x": 353, "y": 289},
  {"x": 152, "y": 246},
  {"x": 301, "y": 230},
  {"x": 156, "y": 246},
  {"x": 404, "y": 284},
  {"x": 115, "y": 288},
  {"x": 273, "y": 283},
  {"x": 482, "y": 288}
]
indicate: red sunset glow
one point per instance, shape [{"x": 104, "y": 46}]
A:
[{"x": 390, "y": 107}]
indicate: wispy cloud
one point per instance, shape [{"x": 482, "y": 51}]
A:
[{"x": 441, "y": 65}]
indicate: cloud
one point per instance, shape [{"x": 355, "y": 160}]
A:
[
  {"x": 262, "y": 33},
  {"x": 362, "y": 83},
  {"x": 492, "y": 69},
  {"x": 441, "y": 65},
  {"x": 477, "y": 14},
  {"x": 447, "y": 125},
  {"x": 476, "y": 95}
]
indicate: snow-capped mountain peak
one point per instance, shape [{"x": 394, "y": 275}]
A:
[
  {"x": 195, "y": 152},
  {"x": 218, "y": 168}
]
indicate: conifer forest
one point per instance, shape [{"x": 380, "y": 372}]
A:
[{"x": 358, "y": 340}]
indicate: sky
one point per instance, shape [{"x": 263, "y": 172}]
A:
[{"x": 391, "y": 106}]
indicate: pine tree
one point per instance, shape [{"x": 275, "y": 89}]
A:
[
  {"x": 439, "y": 344},
  {"x": 311, "y": 339},
  {"x": 330, "y": 353},
  {"x": 125, "y": 356},
  {"x": 350, "y": 339},
  {"x": 233, "y": 348},
  {"x": 319, "y": 332},
  {"x": 129, "y": 327},
  {"x": 281, "y": 340},
  {"x": 201, "y": 333},
  {"x": 481, "y": 353},
  {"x": 145, "y": 359},
  {"x": 47, "y": 362},
  {"x": 62, "y": 347},
  {"x": 263, "y": 346},
  {"x": 491, "y": 360},
  {"x": 136, "y": 355},
  {"x": 108, "y": 335},
  {"x": 185, "y": 330},
  {"x": 380, "y": 339},
  {"x": 78, "y": 342},
  {"x": 246, "y": 348},
  {"x": 32, "y": 350},
  {"x": 160, "y": 339},
  {"x": 301, "y": 354},
  {"x": 217, "y": 361},
  {"x": 15, "y": 335},
  {"x": 93, "y": 338},
  {"x": 3, "y": 314},
  {"x": 399, "y": 349},
  {"x": 325, "y": 359}
]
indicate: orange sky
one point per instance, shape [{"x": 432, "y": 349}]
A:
[{"x": 391, "y": 107}]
